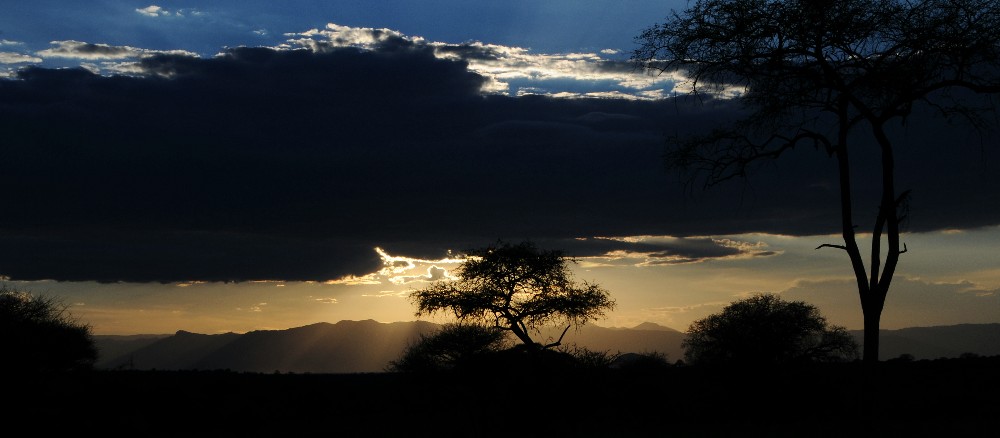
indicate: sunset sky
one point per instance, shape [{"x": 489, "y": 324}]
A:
[{"x": 243, "y": 165}]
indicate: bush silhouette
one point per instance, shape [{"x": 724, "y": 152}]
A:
[
  {"x": 38, "y": 335},
  {"x": 485, "y": 349},
  {"x": 642, "y": 362},
  {"x": 454, "y": 346},
  {"x": 766, "y": 330}
]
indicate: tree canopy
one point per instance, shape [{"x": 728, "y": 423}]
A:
[
  {"x": 518, "y": 288},
  {"x": 766, "y": 330},
  {"x": 820, "y": 73}
]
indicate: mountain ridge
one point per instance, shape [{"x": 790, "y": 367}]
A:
[{"x": 367, "y": 346}]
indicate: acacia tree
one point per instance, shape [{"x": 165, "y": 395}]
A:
[
  {"x": 766, "y": 330},
  {"x": 814, "y": 72},
  {"x": 517, "y": 288}
]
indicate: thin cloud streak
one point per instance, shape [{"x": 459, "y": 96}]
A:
[
  {"x": 93, "y": 52},
  {"x": 913, "y": 302}
]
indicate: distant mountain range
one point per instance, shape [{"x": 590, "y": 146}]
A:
[{"x": 368, "y": 346}]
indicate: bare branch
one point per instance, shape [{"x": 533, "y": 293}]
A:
[{"x": 830, "y": 245}]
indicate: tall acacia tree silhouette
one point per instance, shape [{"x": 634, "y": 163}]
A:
[{"x": 816, "y": 71}]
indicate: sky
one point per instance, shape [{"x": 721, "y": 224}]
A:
[{"x": 230, "y": 166}]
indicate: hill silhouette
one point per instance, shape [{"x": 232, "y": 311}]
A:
[
  {"x": 344, "y": 347},
  {"x": 368, "y": 346},
  {"x": 939, "y": 342}
]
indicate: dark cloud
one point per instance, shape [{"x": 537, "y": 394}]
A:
[{"x": 294, "y": 165}]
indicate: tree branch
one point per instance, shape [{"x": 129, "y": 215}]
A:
[{"x": 830, "y": 245}]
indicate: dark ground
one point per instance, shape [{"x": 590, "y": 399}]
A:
[{"x": 940, "y": 398}]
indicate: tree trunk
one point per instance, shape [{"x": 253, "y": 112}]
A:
[
  {"x": 872, "y": 289},
  {"x": 887, "y": 221},
  {"x": 521, "y": 334},
  {"x": 872, "y": 313},
  {"x": 872, "y": 317}
]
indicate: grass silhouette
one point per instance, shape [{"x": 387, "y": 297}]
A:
[{"x": 951, "y": 397}]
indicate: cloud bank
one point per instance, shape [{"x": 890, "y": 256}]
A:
[{"x": 295, "y": 162}]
